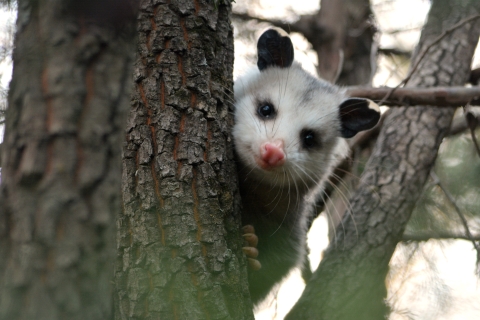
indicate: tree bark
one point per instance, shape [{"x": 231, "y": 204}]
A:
[
  {"x": 60, "y": 188},
  {"x": 350, "y": 281},
  {"x": 179, "y": 244}
]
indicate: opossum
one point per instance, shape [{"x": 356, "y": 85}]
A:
[{"x": 288, "y": 136}]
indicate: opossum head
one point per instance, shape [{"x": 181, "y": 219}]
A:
[{"x": 289, "y": 124}]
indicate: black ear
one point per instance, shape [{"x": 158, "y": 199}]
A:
[
  {"x": 357, "y": 114},
  {"x": 274, "y": 49}
]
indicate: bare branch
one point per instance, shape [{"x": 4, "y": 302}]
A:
[
  {"x": 437, "y": 96},
  {"x": 357, "y": 261},
  {"x": 425, "y": 236},
  {"x": 460, "y": 214}
]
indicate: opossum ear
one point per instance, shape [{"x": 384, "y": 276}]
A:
[
  {"x": 357, "y": 114},
  {"x": 274, "y": 49}
]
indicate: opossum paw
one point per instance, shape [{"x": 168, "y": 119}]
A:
[
  {"x": 250, "y": 249},
  {"x": 250, "y": 236},
  {"x": 254, "y": 264}
]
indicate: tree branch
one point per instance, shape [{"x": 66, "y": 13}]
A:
[
  {"x": 436, "y": 96},
  {"x": 451, "y": 199},
  {"x": 350, "y": 281},
  {"x": 425, "y": 236}
]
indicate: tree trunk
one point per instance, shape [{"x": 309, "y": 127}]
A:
[
  {"x": 350, "y": 282},
  {"x": 61, "y": 158},
  {"x": 179, "y": 244},
  {"x": 346, "y": 41}
]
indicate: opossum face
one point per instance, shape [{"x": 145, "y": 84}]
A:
[{"x": 289, "y": 124}]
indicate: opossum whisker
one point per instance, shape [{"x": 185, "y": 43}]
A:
[
  {"x": 297, "y": 201},
  {"x": 346, "y": 202},
  {"x": 245, "y": 111},
  {"x": 280, "y": 191},
  {"x": 327, "y": 211},
  {"x": 300, "y": 176},
  {"x": 286, "y": 211}
]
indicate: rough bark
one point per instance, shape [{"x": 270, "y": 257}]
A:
[
  {"x": 350, "y": 282},
  {"x": 179, "y": 246},
  {"x": 61, "y": 159}
]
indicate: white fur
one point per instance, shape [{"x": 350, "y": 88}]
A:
[{"x": 286, "y": 89}]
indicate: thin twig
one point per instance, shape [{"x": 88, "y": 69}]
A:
[
  {"x": 460, "y": 214},
  {"x": 425, "y": 236}
]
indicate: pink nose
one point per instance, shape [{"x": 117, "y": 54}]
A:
[{"x": 272, "y": 154}]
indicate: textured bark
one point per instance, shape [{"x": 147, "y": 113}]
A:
[
  {"x": 350, "y": 282},
  {"x": 179, "y": 246},
  {"x": 61, "y": 159}
]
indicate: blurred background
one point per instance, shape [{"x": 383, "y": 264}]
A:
[{"x": 433, "y": 273}]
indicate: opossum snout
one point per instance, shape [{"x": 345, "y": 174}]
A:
[{"x": 272, "y": 155}]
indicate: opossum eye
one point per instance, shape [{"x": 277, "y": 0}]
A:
[
  {"x": 266, "y": 110},
  {"x": 308, "y": 139}
]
